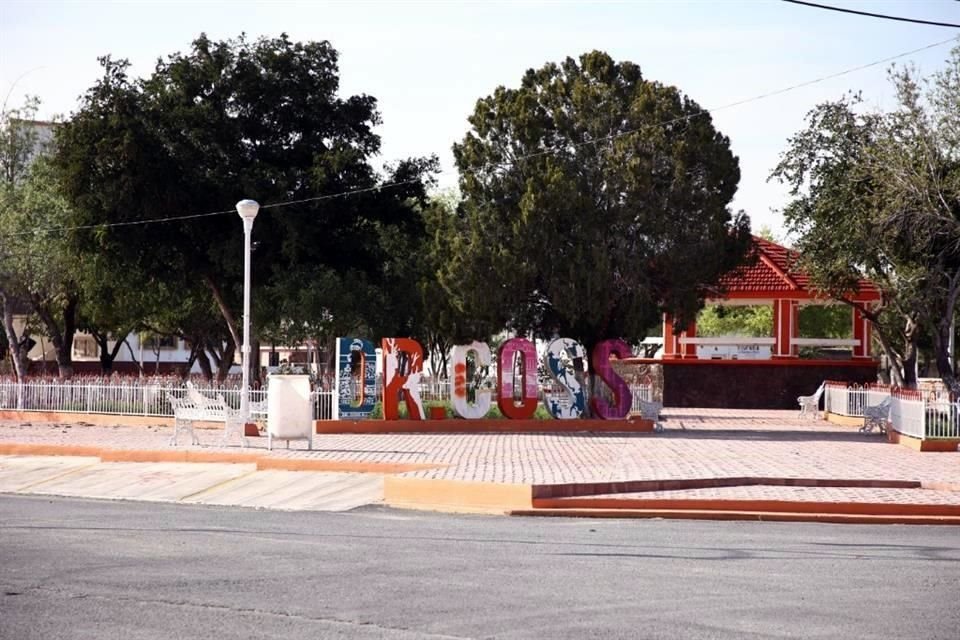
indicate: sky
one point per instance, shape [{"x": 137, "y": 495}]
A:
[{"x": 427, "y": 63}]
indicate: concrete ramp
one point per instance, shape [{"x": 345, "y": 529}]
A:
[{"x": 195, "y": 483}]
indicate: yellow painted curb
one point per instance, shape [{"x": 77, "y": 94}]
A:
[
  {"x": 151, "y": 455},
  {"x": 224, "y": 457},
  {"x": 847, "y": 421},
  {"x": 342, "y": 466},
  {"x": 456, "y": 496},
  {"x": 17, "y": 449},
  {"x": 918, "y": 444}
]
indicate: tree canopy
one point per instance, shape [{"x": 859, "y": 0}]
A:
[
  {"x": 593, "y": 199},
  {"x": 877, "y": 194},
  {"x": 244, "y": 119}
]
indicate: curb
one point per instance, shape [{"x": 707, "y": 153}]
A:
[
  {"x": 692, "y": 514},
  {"x": 263, "y": 462},
  {"x": 459, "y": 426},
  {"x": 561, "y": 500}
]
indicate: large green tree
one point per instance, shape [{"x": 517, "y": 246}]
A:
[
  {"x": 877, "y": 194},
  {"x": 235, "y": 119},
  {"x": 594, "y": 199},
  {"x": 39, "y": 274}
]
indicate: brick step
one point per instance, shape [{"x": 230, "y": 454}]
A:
[
  {"x": 758, "y": 516},
  {"x": 614, "y": 504}
]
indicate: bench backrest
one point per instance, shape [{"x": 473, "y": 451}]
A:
[{"x": 198, "y": 406}]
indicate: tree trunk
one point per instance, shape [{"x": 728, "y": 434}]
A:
[
  {"x": 204, "y": 361},
  {"x": 106, "y": 358},
  {"x": 18, "y": 346},
  {"x": 225, "y": 312},
  {"x": 133, "y": 356},
  {"x": 910, "y": 355},
  {"x": 223, "y": 358},
  {"x": 942, "y": 355},
  {"x": 255, "y": 362},
  {"x": 61, "y": 333},
  {"x": 107, "y": 355}
]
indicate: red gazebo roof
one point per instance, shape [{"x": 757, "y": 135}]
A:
[{"x": 773, "y": 274}]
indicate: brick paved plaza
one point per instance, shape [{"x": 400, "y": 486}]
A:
[{"x": 696, "y": 445}]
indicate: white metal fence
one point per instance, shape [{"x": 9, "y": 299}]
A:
[
  {"x": 929, "y": 414},
  {"x": 145, "y": 398},
  {"x": 844, "y": 400},
  {"x": 135, "y": 397}
]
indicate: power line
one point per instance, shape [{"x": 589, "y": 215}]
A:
[
  {"x": 613, "y": 136},
  {"x": 872, "y": 15}
]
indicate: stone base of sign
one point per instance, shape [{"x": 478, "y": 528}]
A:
[{"x": 631, "y": 425}]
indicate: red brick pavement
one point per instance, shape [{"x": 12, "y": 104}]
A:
[{"x": 697, "y": 444}]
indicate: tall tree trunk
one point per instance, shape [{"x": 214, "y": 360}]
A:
[
  {"x": 910, "y": 354},
  {"x": 19, "y": 346},
  {"x": 223, "y": 358},
  {"x": 196, "y": 348},
  {"x": 61, "y": 333},
  {"x": 103, "y": 351},
  {"x": 204, "y": 361},
  {"x": 225, "y": 312},
  {"x": 106, "y": 354},
  {"x": 133, "y": 356},
  {"x": 941, "y": 350},
  {"x": 255, "y": 361}
]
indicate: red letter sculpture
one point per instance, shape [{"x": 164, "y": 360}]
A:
[
  {"x": 508, "y": 379},
  {"x": 402, "y": 368}
]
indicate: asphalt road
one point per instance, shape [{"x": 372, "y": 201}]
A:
[{"x": 74, "y": 568}]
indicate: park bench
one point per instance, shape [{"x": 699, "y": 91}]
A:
[
  {"x": 876, "y": 416},
  {"x": 811, "y": 403},
  {"x": 196, "y": 406},
  {"x": 650, "y": 410}
]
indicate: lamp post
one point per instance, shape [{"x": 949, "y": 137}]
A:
[{"x": 248, "y": 211}]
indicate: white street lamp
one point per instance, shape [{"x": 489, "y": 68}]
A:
[{"x": 248, "y": 211}]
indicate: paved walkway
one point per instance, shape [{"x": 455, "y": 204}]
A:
[{"x": 696, "y": 444}]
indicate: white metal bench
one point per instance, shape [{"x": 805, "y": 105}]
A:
[
  {"x": 198, "y": 407},
  {"x": 811, "y": 403},
  {"x": 877, "y": 417},
  {"x": 650, "y": 410}
]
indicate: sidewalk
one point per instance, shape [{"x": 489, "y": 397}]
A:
[{"x": 704, "y": 457}]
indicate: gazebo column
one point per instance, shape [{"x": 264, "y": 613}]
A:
[
  {"x": 671, "y": 340},
  {"x": 672, "y": 348},
  {"x": 690, "y": 350},
  {"x": 785, "y": 327},
  {"x": 862, "y": 332}
]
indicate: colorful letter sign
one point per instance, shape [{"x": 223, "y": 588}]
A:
[
  {"x": 461, "y": 404},
  {"x": 402, "y": 368},
  {"x": 560, "y": 362},
  {"x": 356, "y": 379},
  {"x": 622, "y": 397},
  {"x": 524, "y": 381}
]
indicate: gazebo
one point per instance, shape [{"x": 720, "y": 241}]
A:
[{"x": 766, "y": 371}]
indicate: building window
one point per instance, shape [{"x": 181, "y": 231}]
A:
[{"x": 155, "y": 342}]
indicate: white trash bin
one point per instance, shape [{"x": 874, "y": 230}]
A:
[{"x": 289, "y": 411}]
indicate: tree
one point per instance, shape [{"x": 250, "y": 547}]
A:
[
  {"x": 37, "y": 269},
  {"x": 593, "y": 200},
  {"x": 876, "y": 194},
  {"x": 17, "y": 143},
  {"x": 236, "y": 119}
]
